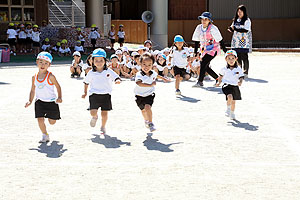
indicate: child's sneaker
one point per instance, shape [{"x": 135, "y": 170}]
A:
[
  {"x": 146, "y": 123},
  {"x": 102, "y": 132},
  {"x": 93, "y": 121},
  {"x": 151, "y": 127},
  {"x": 227, "y": 113},
  {"x": 232, "y": 115},
  {"x": 45, "y": 138},
  {"x": 72, "y": 75},
  {"x": 198, "y": 84},
  {"x": 178, "y": 92}
]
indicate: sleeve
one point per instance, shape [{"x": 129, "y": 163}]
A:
[
  {"x": 98, "y": 35},
  {"x": 138, "y": 77},
  {"x": 87, "y": 79},
  {"x": 247, "y": 25},
  {"x": 216, "y": 34},
  {"x": 7, "y": 32},
  {"x": 89, "y": 37},
  {"x": 196, "y": 34},
  {"x": 241, "y": 73},
  {"x": 222, "y": 71},
  {"x": 114, "y": 75},
  {"x": 154, "y": 74}
]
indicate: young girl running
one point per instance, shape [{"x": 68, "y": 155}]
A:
[
  {"x": 232, "y": 77},
  {"x": 46, "y": 101},
  {"x": 242, "y": 37},
  {"x": 179, "y": 61},
  {"x": 210, "y": 39},
  {"x": 144, "y": 90},
  {"x": 77, "y": 64},
  {"x": 100, "y": 80}
]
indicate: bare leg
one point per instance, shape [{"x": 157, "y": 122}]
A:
[
  {"x": 51, "y": 121},
  {"x": 177, "y": 82},
  {"x": 42, "y": 125},
  {"x": 148, "y": 112},
  {"x": 104, "y": 116}
]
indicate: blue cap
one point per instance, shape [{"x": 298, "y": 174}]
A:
[
  {"x": 99, "y": 53},
  {"x": 45, "y": 56},
  {"x": 207, "y": 15},
  {"x": 178, "y": 38},
  {"x": 164, "y": 56}
]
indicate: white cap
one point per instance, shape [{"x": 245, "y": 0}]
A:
[
  {"x": 76, "y": 53},
  {"x": 141, "y": 47},
  {"x": 118, "y": 52},
  {"x": 166, "y": 49},
  {"x": 156, "y": 52},
  {"x": 124, "y": 49},
  {"x": 134, "y": 53}
]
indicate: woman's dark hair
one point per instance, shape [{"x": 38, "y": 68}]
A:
[
  {"x": 245, "y": 17},
  {"x": 95, "y": 68},
  {"x": 87, "y": 59},
  {"x": 147, "y": 56}
]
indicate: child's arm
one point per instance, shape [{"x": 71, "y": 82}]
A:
[
  {"x": 85, "y": 90},
  {"x": 219, "y": 80},
  {"x": 58, "y": 88},
  {"x": 139, "y": 83},
  {"x": 241, "y": 81},
  {"x": 31, "y": 94}
]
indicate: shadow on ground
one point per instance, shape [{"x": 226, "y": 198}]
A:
[
  {"x": 109, "y": 142},
  {"x": 155, "y": 145},
  {"x": 246, "y": 126},
  {"x": 54, "y": 150}
]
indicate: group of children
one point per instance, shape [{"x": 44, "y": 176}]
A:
[{"x": 144, "y": 66}]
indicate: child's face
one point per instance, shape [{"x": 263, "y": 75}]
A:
[
  {"x": 78, "y": 44},
  {"x": 231, "y": 59},
  {"x": 166, "y": 53},
  {"x": 179, "y": 45},
  {"x": 148, "y": 45},
  {"x": 114, "y": 60},
  {"x": 35, "y": 29},
  {"x": 77, "y": 58},
  {"x": 161, "y": 59},
  {"x": 43, "y": 65},
  {"x": 240, "y": 13},
  {"x": 147, "y": 65},
  {"x": 205, "y": 22},
  {"x": 99, "y": 62}
]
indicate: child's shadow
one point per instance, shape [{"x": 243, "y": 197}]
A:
[
  {"x": 109, "y": 142},
  {"x": 4, "y": 83},
  {"x": 54, "y": 150},
  {"x": 188, "y": 99},
  {"x": 154, "y": 144},
  {"x": 213, "y": 89},
  {"x": 255, "y": 80},
  {"x": 246, "y": 126},
  {"x": 80, "y": 78}
]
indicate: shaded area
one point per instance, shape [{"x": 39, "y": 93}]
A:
[
  {"x": 255, "y": 80},
  {"x": 213, "y": 89},
  {"x": 54, "y": 150},
  {"x": 109, "y": 142},
  {"x": 246, "y": 126},
  {"x": 155, "y": 145},
  {"x": 188, "y": 99},
  {"x": 4, "y": 83}
]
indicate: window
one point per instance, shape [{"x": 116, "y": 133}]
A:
[
  {"x": 4, "y": 15},
  {"x": 4, "y": 2},
  {"x": 28, "y": 2},
  {"x": 28, "y": 14},
  {"x": 16, "y": 14},
  {"x": 15, "y": 2}
]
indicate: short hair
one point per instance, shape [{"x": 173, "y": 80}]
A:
[{"x": 147, "y": 56}]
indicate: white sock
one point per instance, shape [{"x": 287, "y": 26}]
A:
[{"x": 229, "y": 107}]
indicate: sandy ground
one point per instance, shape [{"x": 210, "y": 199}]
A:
[{"x": 196, "y": 153}]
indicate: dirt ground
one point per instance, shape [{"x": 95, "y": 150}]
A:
[{"x": 196, "y": 152}]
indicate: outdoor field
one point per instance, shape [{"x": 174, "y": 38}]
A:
[{"x": 196, "y": 153}]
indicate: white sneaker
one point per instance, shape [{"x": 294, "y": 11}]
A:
[
  {"x": 151, "y": 127},
  {"x": 227, "y": 113},
  {"x": 147, "y": 124},
  {"x": 93, "y": 121},
  {"x": 178, "y": 92},
  {"x": 102, "y": 134},
  {"x": 15, "y": 54},
  {"x": 232, "y": 115},
  {"x": 45, "y": 138}
]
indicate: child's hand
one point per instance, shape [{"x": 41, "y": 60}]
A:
[
  {"x": 217, "y": 84},
  {"x": 166, "y": 80},
  {"x": 153, "y": 83},
  {"x": 118, "y": 81},
  {"x": 27, "y": 104},
  {"x": 58, "y": 100},
  {"x": 239, "y": 83},
  {"x": 83, "y": 96}
]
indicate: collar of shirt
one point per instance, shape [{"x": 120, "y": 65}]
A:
[{"x": 143, "y": 73}]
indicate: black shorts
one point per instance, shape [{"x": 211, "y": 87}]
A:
[
  {"x": 75, "y": 73},
  {"x": 142, "y": 101},
  {"x": 35, "y": 44},
  {"x": 232, "y": 89},
  {"x": 121, "y": 40},
  {"x": 28, "y": 40},
  {"x": 100, "y": 100},
  {"x": 160, "y": 73},
  {"x": 180, "y": 71},
  {"x": 82, "y": 43},
  {"x": 93, "y": 41},
  {"x": 11, "y": 41},
  {"x": 112, "y": 41},
  {"x": 46, "y": 109},
  {"x": 22, "y": 41}
]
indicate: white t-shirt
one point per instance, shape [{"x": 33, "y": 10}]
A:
[
  {"x": 159, "y": 67},
  {"x": 94, "y": 35},
  {"x": 78, "y": 65},
  {"x": 214, "y": 32},
  {"x": 86, "y": 66},
  {"x": 111, "y": 35},
  {"x": 36, "y": 36},
  {"x": 54, "y": 48},
  {"x": 231, "y": 76},
  {"x": 78, "y": 48},
  {"x": 45, "y": 46},
  {"x": 196, "y": 63},
  {"x": 81, "y": 38},
  {"x": 12, "y": 33},
  {"x": 29, "y": 33},
  {"x": 130, "y": 65},
  {"x": 179, "y": 58},
  {"x": 121, "y": 34},
  {"x": 101, "y": 82},
  {"x": 138, "y": 67},
  {"x": 22, "y": 35},
  {"x": 66, "y": 50},
  {"x": 145, "y": 91}
]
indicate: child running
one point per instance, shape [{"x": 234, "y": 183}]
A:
[
  {"x": 144, "y": 90},
  {"x": 100, "y": 79},
  {"x": 46, "y": 101},
  {"x": 232, "y": 76}
]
